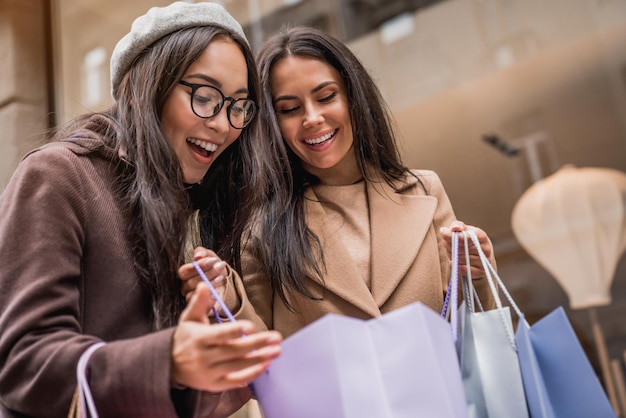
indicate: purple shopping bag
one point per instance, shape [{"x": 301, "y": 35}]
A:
[{"x": 400, "y": 365}]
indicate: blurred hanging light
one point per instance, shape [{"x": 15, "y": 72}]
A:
[{"x": 573, "y": 224}]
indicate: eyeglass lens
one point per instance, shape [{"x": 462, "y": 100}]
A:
[{"x": 207, "y": 101}]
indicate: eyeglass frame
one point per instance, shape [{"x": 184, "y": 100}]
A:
[{"x": 195, "y": 86}]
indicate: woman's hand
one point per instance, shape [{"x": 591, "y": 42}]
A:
[
  {"x": 221, "y": 356},
  {"x": 212, "y": 266},
  {"x": 476, "y": 266}
]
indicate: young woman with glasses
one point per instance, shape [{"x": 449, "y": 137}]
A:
[{"x": 94, "y": 226}]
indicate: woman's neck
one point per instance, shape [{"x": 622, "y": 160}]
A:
[{"x": 343, "y": 173}]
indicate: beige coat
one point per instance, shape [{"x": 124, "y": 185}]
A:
[{"x": 408, "y": 261}]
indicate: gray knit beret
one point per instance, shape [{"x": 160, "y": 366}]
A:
[{"x": 161, "y": 21}]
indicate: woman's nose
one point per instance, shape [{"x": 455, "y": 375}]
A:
[
  {"x": 313, "y": 116},
  {"x": 220, "y": 120}
]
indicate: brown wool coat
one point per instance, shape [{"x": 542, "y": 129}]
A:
[
  {"x": 67, "y": 281},
  {"x": 408, "y": 262}
]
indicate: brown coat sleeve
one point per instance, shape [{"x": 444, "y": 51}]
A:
[{"x": 67, "y": 281}]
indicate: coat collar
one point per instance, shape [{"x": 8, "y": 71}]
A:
[{"x": 399, "y": 223}]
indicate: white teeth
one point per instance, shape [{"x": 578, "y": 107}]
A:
[
  {"x": 321, "y": 139},
  {"x": 203, "y": 144}
]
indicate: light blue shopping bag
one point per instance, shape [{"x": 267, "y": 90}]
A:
[{"x": 559, "y": 380}]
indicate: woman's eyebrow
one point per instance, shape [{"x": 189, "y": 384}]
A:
[
  {"x": 284, "y": 97},
  {"x": 212, "y": 81},
  {"x": 314, "y": 90},
  {"x": 322, "y": 85}
]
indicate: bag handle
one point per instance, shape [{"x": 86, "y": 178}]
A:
[
  {"x": 453, "y": 289},
  {"x": 216, "y": 295},
  {"x": 491, "y": 274},
  {"x": 492, "y": 278},
  {"x": 469, "y": 292},
  {"x": 83, "y": 399},
  {"x": 225, "y": 309},
  {"x": 83, "y": 391}
]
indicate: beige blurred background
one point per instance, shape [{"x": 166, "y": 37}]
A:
[{"x": 547, "y": 77}]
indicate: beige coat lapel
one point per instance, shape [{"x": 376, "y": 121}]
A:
[
  {"x": 399, "y": 223},
  {"x": 341, "y": 276}
]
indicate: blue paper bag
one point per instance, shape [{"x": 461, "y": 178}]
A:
[{"x": 558, "y": 378}]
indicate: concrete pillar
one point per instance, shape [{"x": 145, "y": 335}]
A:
[{"x": 24, "y": 73}]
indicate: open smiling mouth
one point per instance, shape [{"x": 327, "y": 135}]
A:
[
  {"x": 321, "y": 139},
  {"x": 203, "y": 148}
]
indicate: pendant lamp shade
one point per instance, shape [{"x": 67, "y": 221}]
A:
[{"x": 573, "y": 224}]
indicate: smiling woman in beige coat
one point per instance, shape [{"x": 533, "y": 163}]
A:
[{"x": 348, "y": 229}]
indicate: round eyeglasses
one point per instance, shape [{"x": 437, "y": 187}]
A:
[{"x": 207, "y": 101}]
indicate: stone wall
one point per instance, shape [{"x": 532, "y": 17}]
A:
[{"x": 24, "y": 73}]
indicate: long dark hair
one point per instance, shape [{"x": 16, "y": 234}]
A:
[
  {"x": 153, "y": 196},
  {"x": 290, "y": 249}
]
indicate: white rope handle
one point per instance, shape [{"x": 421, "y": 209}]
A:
[
  {"x": 492, "y": 277},
  {"x": 496, "y": 296},
  {"x": 84, "y": 392},
  {"x": 469, "y": 291}
]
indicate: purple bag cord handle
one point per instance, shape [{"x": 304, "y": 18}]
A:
[
  {"x": 85, "y": 400},
  {"x": 444, "y": 310},
  {"x": 216, "y": 296},
  {"x": 225, "y": 309},
  {"x": 453, "y": 287}
]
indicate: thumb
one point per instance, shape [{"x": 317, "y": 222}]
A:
[
  {"x": 199, "y": 304},
  {"x": 457, "y": 226}
]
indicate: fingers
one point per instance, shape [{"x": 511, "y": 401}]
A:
[
  {"x": 483, "y": 240},
  {"x": 201, "y": 252},
  {"x": 237, "y": 371},
  {"x": 218, "y": 357},
  {"x": 458, "y": 226},
  {"x": 476, "y": 267},
  {"x": 475, "y": 272},
  {"x": 188, "y": 288},
  {"x": 212, "y": 266},
  {"x": 199, "y": 304},
  {"x": 242, "y": 377},
  {"x": 245, "y": 351},
  {"x": 252, "y": 366}
]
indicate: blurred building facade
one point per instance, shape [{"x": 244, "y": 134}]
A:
[{"x": 492, "y": 94}]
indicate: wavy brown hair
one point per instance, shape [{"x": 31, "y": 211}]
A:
[
  {"x": 156, "y": 202},
  {"x": 290, "y": 249}
]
